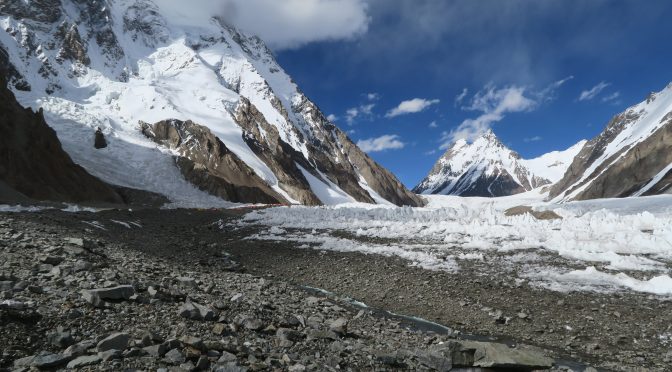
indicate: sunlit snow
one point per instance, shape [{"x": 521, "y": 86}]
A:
[{"x": 598, "y": 245}]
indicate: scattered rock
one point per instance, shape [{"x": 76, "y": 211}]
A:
[
  {"x": 194, "y": 311},
  {"x": 60, "y": 339},
  {"x": 98, "y": 297},
  {"x": 99, "y": 141},
  {"x": 175, "y": 357},
  {"x": 540, "y": 215},
  {"x": 339, "y": 326},
  {"x": 45, "y": 361},
  {"x": 83, "y": 361},
  {"x": 115, "y": 341}
]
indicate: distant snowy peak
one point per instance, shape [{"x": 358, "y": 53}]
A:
[
  {"x": 112, "y": 64},
  {"x": 553, "y": 165},
  {"x": 631, "y": 157},
  {"x": 483, "y": 168}
]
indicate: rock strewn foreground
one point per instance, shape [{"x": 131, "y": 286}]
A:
[{"x": 69, "y": 301}]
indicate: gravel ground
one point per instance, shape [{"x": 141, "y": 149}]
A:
[{"x": 263, "y": 320}]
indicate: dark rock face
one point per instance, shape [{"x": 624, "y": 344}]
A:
[
  {"x": 275, "y": 153},
  {"x": 332, "y": 154},
  {"x": 73, "y": 47},
  {"x": 99, "y": 140},
  {"x": 11, "y": 74},
  {"x": 206, "y": 162},
  {"x": 33, "y": 163},
  {"x": 36, "y": 10},
  {"x": 379, "y": 178},
  {"x": 496, "y": 185}
]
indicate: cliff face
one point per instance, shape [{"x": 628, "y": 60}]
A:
[
  {"x": 207, "y": 163},
  {"x": 33, "y": 163}
]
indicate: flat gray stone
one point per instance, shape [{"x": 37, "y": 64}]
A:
[
  {"x": 83, "y": 361},
  {"x": 339, "y": 326},
  {"x": 156, "y": 351},
  {"x": 115, "y": 341},
  {"x": 49, "y": 360},
  {"x": 175, "y": 357},
  {"x": 98, "y": 297},
  {"x": 494, "y": 355}
]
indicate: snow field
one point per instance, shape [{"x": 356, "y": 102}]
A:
[{"x": 627, "y": 248}]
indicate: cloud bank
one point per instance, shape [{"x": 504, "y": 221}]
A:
[
  {"x": 494, "y": 104},
  {"x": 411, "y": 106},
  {"x": 290, "y": 24},
  {"x": 593, "y": 92},
  {"x": 382, "y": 143}
]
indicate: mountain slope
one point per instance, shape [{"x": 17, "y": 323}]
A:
[
  {"x": 553, "y": 165},
  {"x": 33, "y": 164},
  {"x": 113, "y": 64},
  {"x": 483, "y": 168},
  {"x": 631, "y": 157}
]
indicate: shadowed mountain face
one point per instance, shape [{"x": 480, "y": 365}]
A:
[
  {"x": 33, "y": 164},
  {"x": 631, "y": 157}
]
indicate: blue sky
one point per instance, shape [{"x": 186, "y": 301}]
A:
[{"x": 542, "y": 74}]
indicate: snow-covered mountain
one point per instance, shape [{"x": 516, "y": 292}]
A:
[
  {"x": 553, "y": 165},
  {"x": 113, "y": 64},
  {"x": 488, "y": 168},
  {"x": 631, "y": 157}
]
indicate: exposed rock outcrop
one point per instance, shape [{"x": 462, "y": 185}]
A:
[
  {"x": 275, "y": 153},
  {"x": 33, "y": 163},
  {"x": 73, "y": 48},
  {"x": 206, "y": 162},
  {"x": 334, "y": 157},
  {"x": 99, "y": 141}
]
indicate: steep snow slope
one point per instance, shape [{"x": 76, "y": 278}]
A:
[
  {"x": 553, "y": 165},
  {"x": 483, "y": 168},
  {"x": 631, "y": 157},
  {"x": 112, "y": 64}
]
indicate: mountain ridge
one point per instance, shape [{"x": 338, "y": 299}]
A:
[
  {"x": 114, "y": 64},
  {"x": 485, "y": 167}
]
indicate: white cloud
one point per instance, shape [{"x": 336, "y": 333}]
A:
[
  {"x": 373, "y": 96},
  {"x": 360, "y": 111},
  {"x": 411, "y": 106},
  {"x": 593, "y": 92},
  {"x": 332, "y": 118},
  {"x": 433, "y": 124},
  {"x": 494, "y": 103},
  {"x": 382, "y": 143},
  {"x": 612, "y": 97},
  {"x": 460, "y": 97},
  {"x": 292, "y": 23},
  {"x": 532, "y": 139},
  {"x": 548, "y": 93}
]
